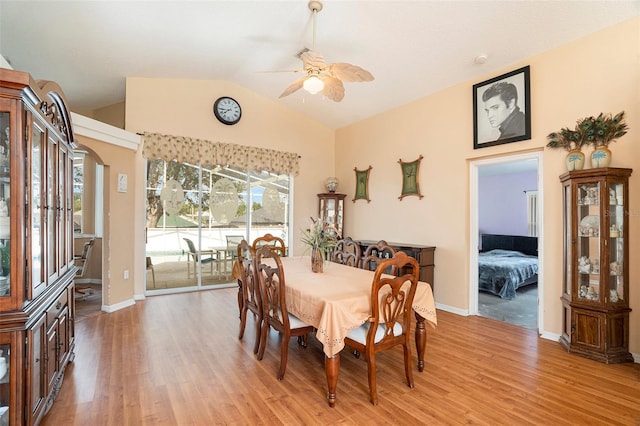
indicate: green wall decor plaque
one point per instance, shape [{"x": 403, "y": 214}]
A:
[
  {"x": 362, "y": 184},
  {"x": 410, "y": 181}
]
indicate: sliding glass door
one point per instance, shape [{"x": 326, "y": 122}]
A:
[{"x": 196, "y": 216}]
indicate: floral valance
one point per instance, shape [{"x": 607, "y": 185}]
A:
[{"x": 206, "y": 153}]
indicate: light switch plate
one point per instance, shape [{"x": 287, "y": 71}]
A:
[{"x": 122, "y": 182}]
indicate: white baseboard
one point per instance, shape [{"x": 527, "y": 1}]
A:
[
  {"x": 453, "y": 310},
  {"x": 550, "y": 336},
  {"x": 88, "y": 281},
  {"x": 118, "y": 306}
]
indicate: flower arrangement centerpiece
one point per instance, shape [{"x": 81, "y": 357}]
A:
[{"x": 320, "y": 238}]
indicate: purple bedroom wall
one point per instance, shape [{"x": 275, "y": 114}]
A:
[{"x": 502, "y": 202}]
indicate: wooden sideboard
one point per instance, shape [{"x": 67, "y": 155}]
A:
[{"x": 423, "y": 254}]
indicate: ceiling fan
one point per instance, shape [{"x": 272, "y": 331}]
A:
[{"x": 323, "y": 77}]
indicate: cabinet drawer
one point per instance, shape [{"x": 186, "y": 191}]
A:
[{"x": 56, "y": 307}]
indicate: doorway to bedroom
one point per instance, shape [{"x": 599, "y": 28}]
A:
[{"x": 506, "y": 226}]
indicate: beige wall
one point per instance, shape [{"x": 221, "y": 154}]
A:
[
  {"x": 119, "y": 225},
  {"x": 184, "y": 108},
  {"x": 600, "y": 73},
  {"x": 112, "y": 115}
]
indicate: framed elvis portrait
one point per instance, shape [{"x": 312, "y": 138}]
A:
[
  {"x": 502, "y": 109},
  {"x": 410, "y": 181},
  {"x": 362, "y": 184}
]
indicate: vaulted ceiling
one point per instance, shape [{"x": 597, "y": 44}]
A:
[{"x": 413, "y": 48}]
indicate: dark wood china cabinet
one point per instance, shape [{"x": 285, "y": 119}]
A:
[
  {"x": 595, "y": 296},
  {"x": 37, "y": 335}
]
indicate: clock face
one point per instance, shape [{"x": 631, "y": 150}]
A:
[{"x": 227, "y": 110}]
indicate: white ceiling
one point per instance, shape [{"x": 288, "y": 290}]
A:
[{"x": 413, "y": 48}]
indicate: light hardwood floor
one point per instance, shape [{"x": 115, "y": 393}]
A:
[{"x": 177, "y": 360}]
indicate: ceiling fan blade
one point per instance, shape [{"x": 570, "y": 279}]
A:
[
  {"x": 349, "y": 73},
  {"x": 313, "y": 60},
  {"x": 293, "y": 87},
  {"x": 333, "y": 88}
]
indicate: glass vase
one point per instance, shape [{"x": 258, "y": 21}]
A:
[{"x": 316, "y": 260}]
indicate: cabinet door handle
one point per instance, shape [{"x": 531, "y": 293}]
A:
[{"x": 58, "y": 305}]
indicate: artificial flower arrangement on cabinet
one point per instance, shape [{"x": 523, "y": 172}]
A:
[
  {"x": 321, "y": 239},
  {"x": 598, "y": 131}
]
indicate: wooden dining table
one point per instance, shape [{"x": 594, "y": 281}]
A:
[{"x": 337, "y": 301}]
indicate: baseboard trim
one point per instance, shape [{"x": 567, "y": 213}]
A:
[
  {"x": 97, "y": 281},
  {"x": 118, "y": 306},
  {"x": 452, "y": 309},
  {"x": 550, "y": 336}
]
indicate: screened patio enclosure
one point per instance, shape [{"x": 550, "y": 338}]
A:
[{"x": 197, "y": 215}]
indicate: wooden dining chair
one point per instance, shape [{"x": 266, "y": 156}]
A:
[
  {"x": 347, "y": 252},
  {"x": 250, "y": 290},
  {"x": 376, "y": 254},
  {"x": 390, "y": 321},
  {"x": 275, "y": 243},
  {"x": 274, "y": 307}
]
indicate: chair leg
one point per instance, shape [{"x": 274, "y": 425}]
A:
[
  {"x": 243, "y": 321},
  {"x": 371, "y": 370},
  {"x": 240, "y": 296},
  {"x": 284, "y": 352},
  {"x": 263, "y": 339},
  {"x": 408, "y": 372},
  {"x": 302, "y": 340},
  {"x": 256, "y": 346}
]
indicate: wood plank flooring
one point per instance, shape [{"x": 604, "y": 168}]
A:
[{"x": 177, "y": 360}]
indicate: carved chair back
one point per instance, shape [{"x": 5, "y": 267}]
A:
[
  {"x": 347, "y": 252},
  {"x": 275, "y": 243},
  {"x": 375, "y": 254}
]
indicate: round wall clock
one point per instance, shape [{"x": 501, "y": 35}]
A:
[{"x": 227, "y": 110}]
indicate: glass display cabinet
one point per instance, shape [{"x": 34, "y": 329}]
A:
[
  {"x": 37, "y": 332},
  {"x": 331, "y": 210},
  {"x": 596, "y": 276}
]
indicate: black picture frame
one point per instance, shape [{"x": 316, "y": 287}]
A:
[{"x": 488, "y": 131}]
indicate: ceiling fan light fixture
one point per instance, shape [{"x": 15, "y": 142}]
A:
[
  {"x": 313, "y": 85},
  {"x": 320, "y": 76}
]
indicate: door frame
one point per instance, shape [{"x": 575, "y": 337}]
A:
[{"x": 474, "y": 166}]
